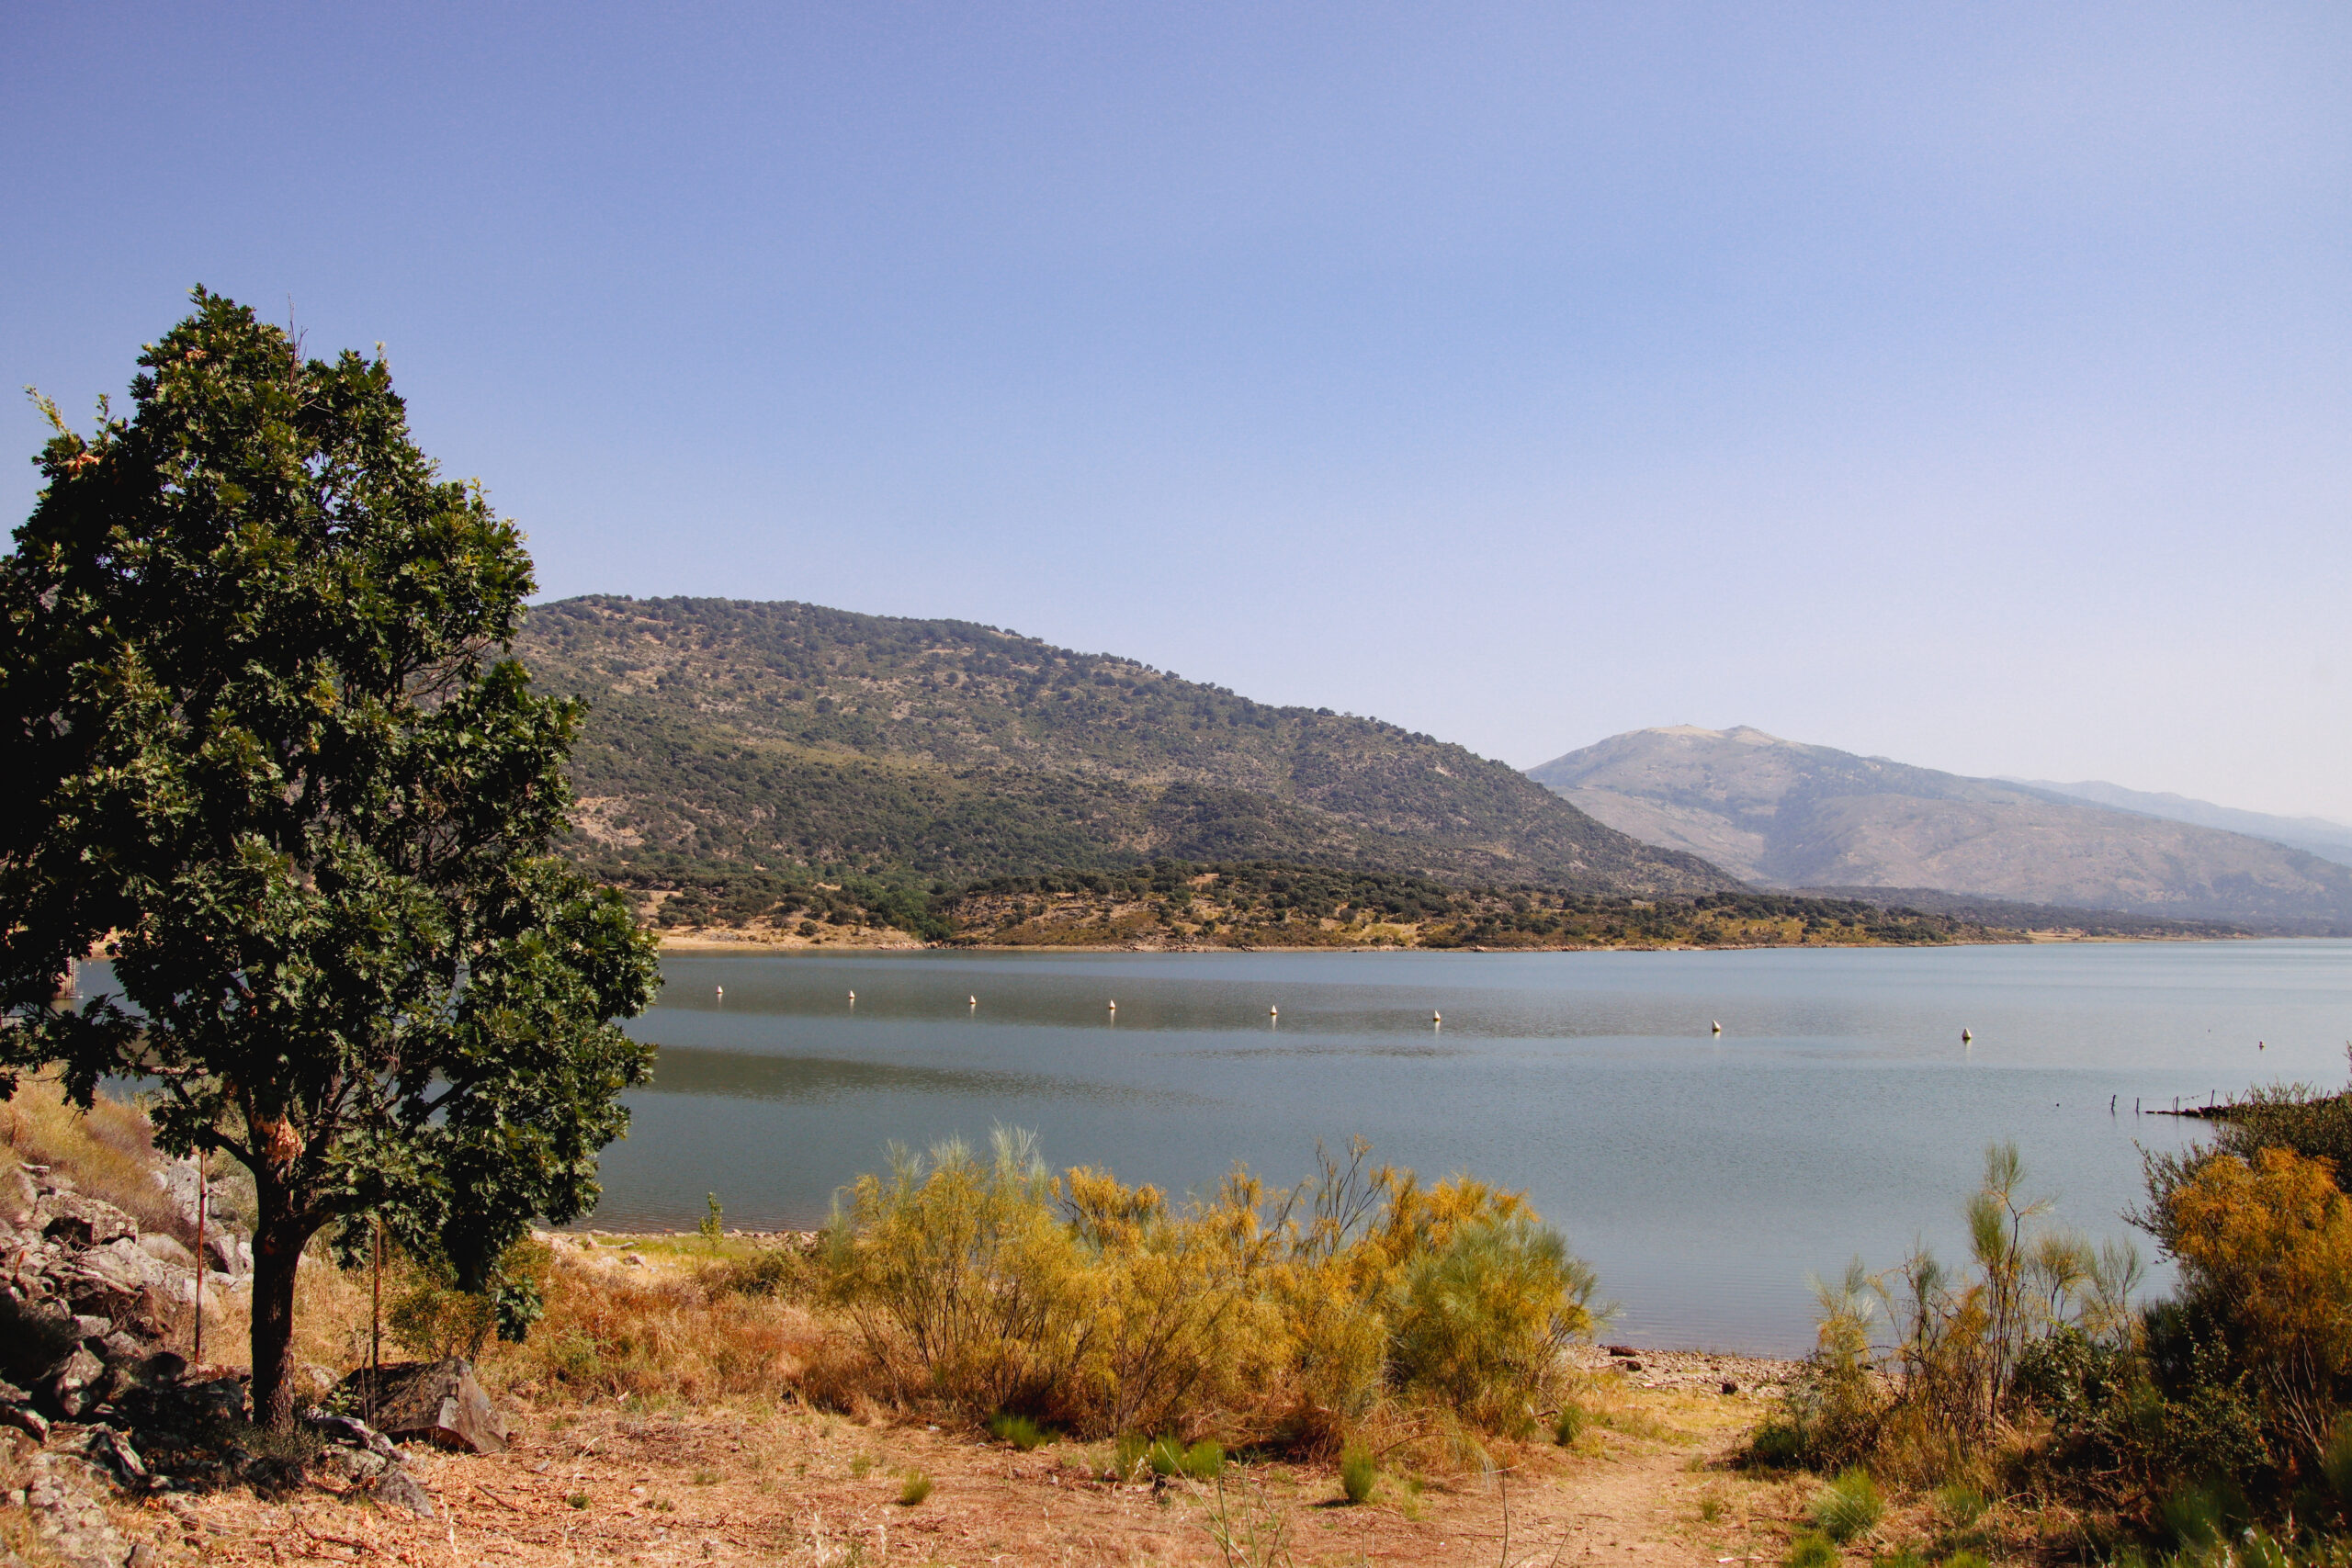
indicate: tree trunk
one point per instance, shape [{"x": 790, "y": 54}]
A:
[{"x": 277, "y": 1252}]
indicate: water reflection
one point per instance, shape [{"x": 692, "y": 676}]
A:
[
  {"x": 1705, "y": 1176},
  {"x": 752, "y": 1075}
]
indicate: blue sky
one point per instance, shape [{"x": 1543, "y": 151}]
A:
[{"x": 1966, "y": 384}]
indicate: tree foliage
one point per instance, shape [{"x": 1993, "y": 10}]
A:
[{"x": 266, "y": 763}]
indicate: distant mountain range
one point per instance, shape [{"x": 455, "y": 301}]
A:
[
  {"x": 1783, "y": 814},
  {"x": 786, "y": 738},
  {"x": 2314, "y": 835}
]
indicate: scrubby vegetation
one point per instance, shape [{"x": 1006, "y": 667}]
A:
[
  {"x": 1273, "y": 904},
  {"x": 2214, "y": 1424},
  {"x": 728, "y": 737},
  {"x": 1261, "y": 903},
  {"x": 991, "y": 1288}
]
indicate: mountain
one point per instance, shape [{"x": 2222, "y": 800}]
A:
[
  {"x": 1788, "y": 815},
  {"x": 786, "y": 738},
  {"x": 2314, "y": 835}
]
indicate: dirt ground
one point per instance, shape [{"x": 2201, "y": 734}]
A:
[{"x": 1644, "y": 1482}]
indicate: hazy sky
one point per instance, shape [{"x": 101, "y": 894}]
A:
[{"x": 1969, "y": 384}]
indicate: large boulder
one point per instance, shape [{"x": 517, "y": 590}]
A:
[
  {"x": 117, "y": 1280},
  {"x": 75, "y": 1221},
  {"x": 181, "y": 1184},
  {"x": 436, "y": 1401}
]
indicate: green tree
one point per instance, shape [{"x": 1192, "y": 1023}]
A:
[{"x": 265, "y": 763}]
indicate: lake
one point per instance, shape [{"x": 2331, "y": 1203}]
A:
[{"x": 1839, "y": 1113}]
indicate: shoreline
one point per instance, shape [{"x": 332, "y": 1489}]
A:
[{"x": 748, "y": 943}]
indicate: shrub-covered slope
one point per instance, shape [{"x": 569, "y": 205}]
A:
[{"x": 789, "y": 736}]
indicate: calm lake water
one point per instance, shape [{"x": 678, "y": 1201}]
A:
[{"x": 1839, "y": 1113}]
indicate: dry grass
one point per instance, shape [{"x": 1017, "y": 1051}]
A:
[
  {"x": 665, "y": 1333},
  {"x": 107, "y": 1153}
]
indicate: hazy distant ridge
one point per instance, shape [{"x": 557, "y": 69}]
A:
[
  {"x": 2317, "y": 835},
  {"x": 1788, "y": 815}
]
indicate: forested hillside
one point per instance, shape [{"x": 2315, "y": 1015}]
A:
[{"x": 792, "y": 737}]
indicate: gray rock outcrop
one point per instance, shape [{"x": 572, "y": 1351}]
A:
[{"x": 438, "y": 1401}]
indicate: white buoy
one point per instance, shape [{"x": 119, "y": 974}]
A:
[
  {"x": 853, "y": 996},
  {"x": 973, "y": 1001},
  {"x": 721, "y": 989},
  {"x": 1114, "y": 1006},
  {"x": 1718, "y": 1028},
  {"x": 1966, "y": 1037},
  {"x": 1273, "y": 1012},
  {"x": 1437, "y": 1017}
]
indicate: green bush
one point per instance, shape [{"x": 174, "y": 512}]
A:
[
  {"x": 1568, "y": 1424},
  {"x": 772, "y": 1271},
  {"x": 1831, "y": 1413},
  {"x": 1205, "y": 1461},
  {"x": 1127, "y": 1455},
  {"x": 1481, "y": 1319},
  {"x": 1813, "y": 1550},
  {"x": 1960, "y": 1505},
  {"x": 1357, "y": 1472},
  {"x": 1847, "y": 1506},
  {"x": 1281, "y": 1315},
  {"x": 959, "y": 1277},
  {"x": 916, "y": 1487},
  {"x": 1019, "y": 1430}
]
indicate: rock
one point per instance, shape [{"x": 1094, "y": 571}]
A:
[
  {"x": 350, "y": 1432},
  {"x": 115, "y": 1280},
  {"x": 319, "y": 1380},
  {"x": 438, "y": 1401},
  {"x": 181, "y": 1183},
  {"x": 17, "y": 1197},
  {"x": 227, "y": 1252},
  {"x": 1730, "y": 1387},
  {"x": 353, "y": 1464},
  {"x": 67, "y": 1518},
  {"x": 118, "y": 1349},
  {"x": 25, "y": 1419},
  {"x": 222, "y": 1398},
  {"x": 83, "y": 1222},
  {"x": 166, "y": 1250},
  {"x": 396, "y": 1488},
  {"x": 70, "y": 1385},
  {"x": 112, "y": 1449}
]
